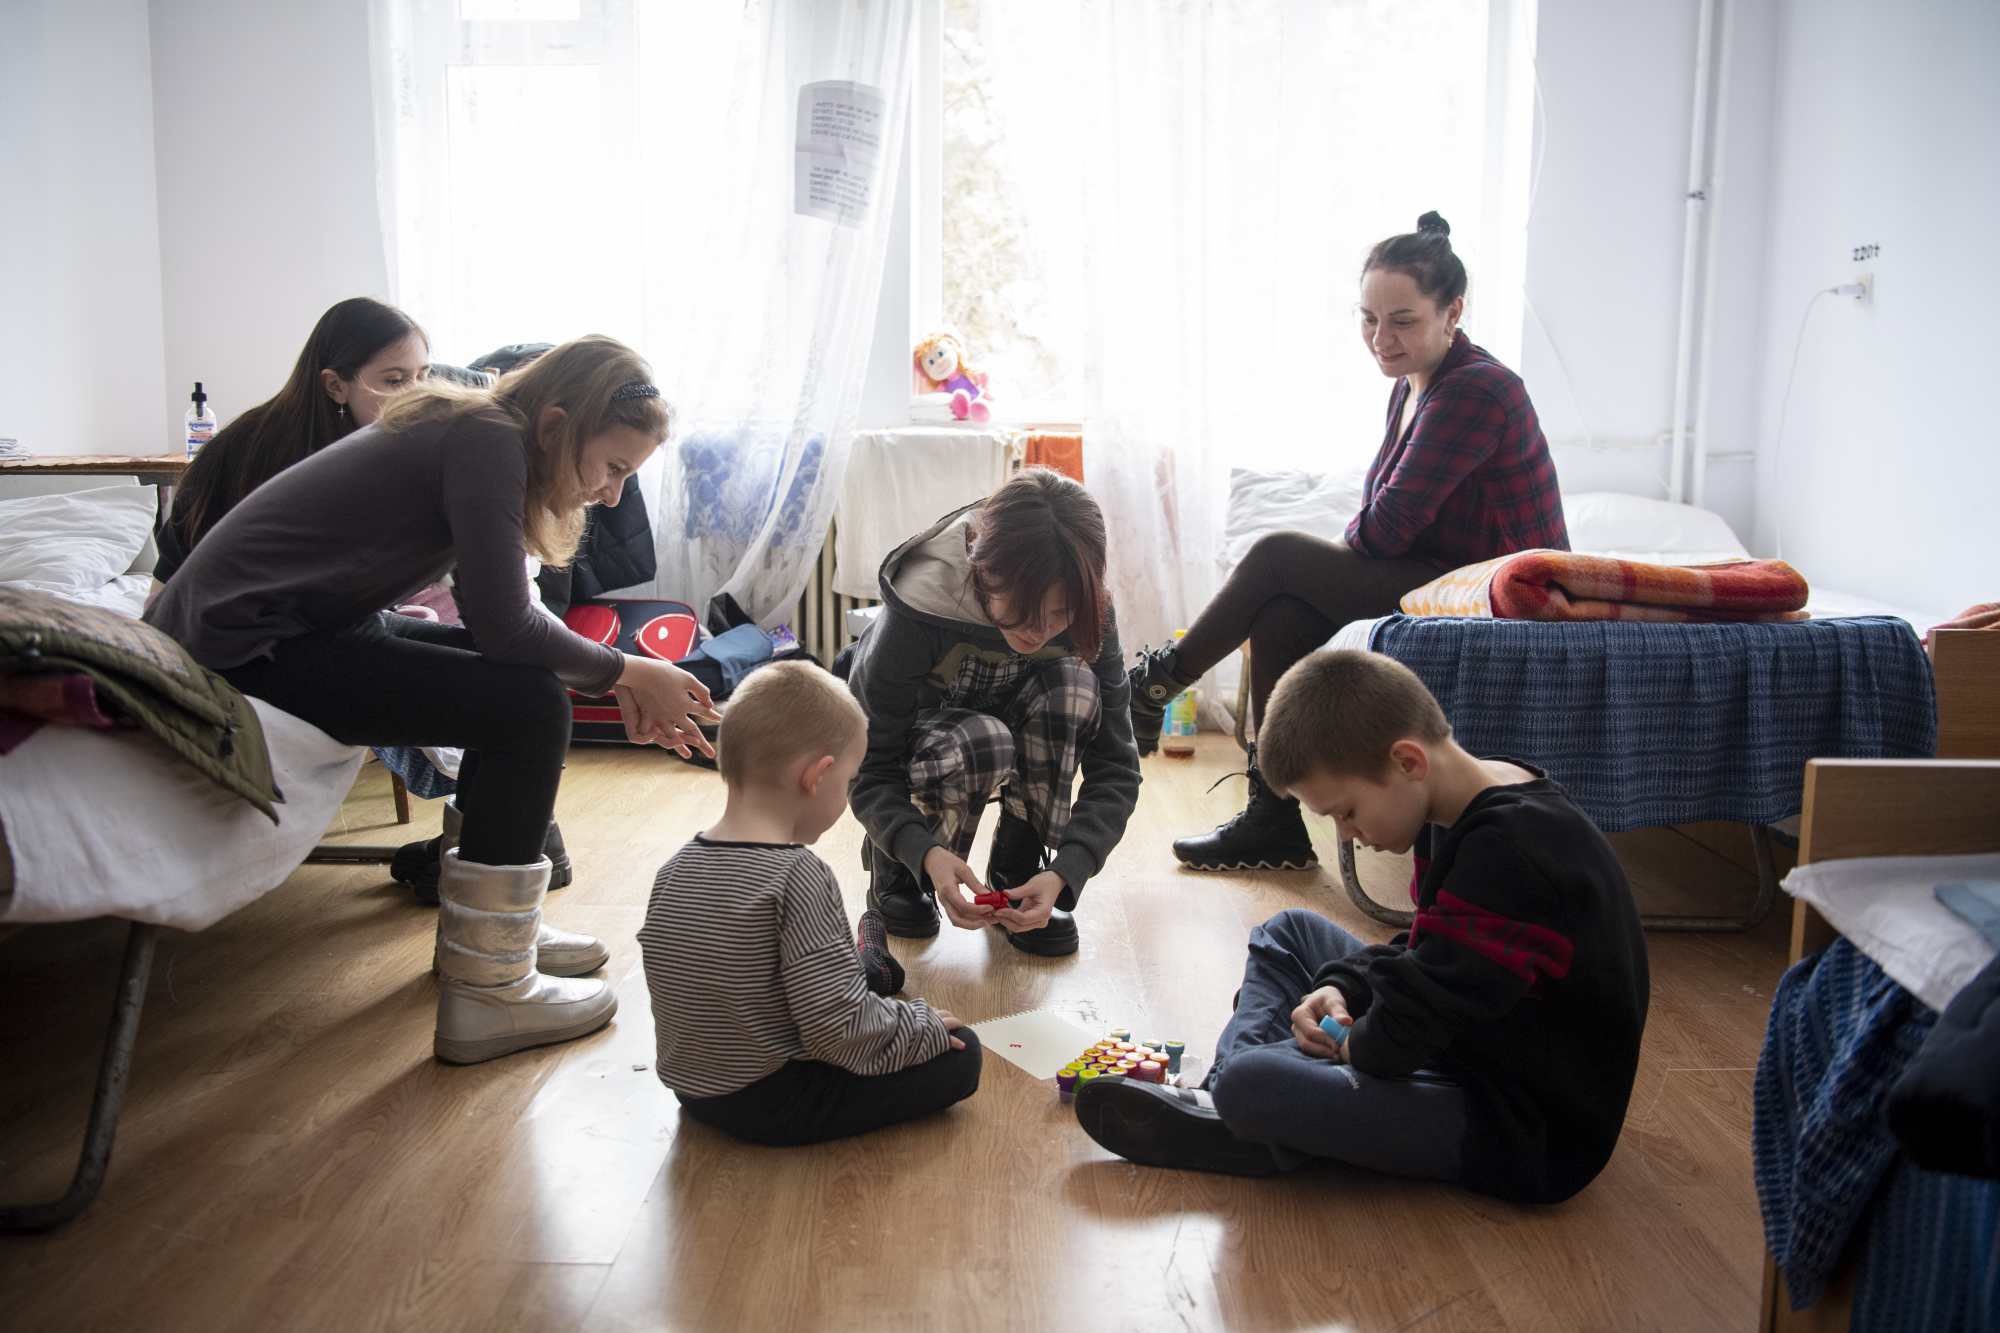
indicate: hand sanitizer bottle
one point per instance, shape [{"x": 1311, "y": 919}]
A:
[{"x": 200, "y": 422}]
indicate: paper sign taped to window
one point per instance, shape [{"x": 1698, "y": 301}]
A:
[{"x": 839, "y": 155}]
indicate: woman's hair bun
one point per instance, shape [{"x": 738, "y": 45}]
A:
[{"x": 1434, "y": 222}]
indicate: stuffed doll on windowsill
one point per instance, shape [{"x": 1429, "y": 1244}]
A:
[{"x": 941, "y": 369}]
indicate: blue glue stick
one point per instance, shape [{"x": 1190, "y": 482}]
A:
[{"x": 1332, "y": 1027}]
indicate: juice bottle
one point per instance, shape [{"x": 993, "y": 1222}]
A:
[{"x": 1177, "y": 730}]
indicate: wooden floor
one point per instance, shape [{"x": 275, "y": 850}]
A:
[{"x": 291, "y": 1157}]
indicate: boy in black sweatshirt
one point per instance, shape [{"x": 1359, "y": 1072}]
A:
[{"x": 1493, "y": 1045}]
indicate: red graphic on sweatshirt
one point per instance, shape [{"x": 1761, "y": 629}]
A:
[{"x": 1529, "y": 951}]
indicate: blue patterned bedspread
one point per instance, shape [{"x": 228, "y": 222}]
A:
[
  {"x": 414, "y": 767},
  {"x": 1669, "y": 724},
  {"x": 1840, "y": 1032}
]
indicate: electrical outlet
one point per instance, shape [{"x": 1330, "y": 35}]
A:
[{"x": 1867, "y": 284}]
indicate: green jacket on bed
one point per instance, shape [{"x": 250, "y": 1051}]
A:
[{"x": 145, "y": 678}]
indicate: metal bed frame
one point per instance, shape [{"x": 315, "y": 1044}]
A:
[{"x": 114, "y": 1067}]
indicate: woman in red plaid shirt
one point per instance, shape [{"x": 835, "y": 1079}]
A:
[{"x": 1463, "y": 475}]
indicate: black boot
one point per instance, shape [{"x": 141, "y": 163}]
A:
[
  {"x": 907, "y": 910},
  {"x": 1154, "y": 682},
  {"x": 1017, "y": 857},
  {"x": 416, "y": 864},
  {"x": 1270, "y": 834}
]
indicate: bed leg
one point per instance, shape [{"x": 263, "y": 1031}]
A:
[
  {"x": 402, "y": 795},
  {"x": 1388, "y": 916},
  {"x": 112, "y": 1073}
]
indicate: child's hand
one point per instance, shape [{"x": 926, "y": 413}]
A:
[
  {"x": 1326, "y": 1002},
  {"x": 946, "y": 874},
  {"x": 952, "y": 1023},
  {"x": 1033, "y": 902}
]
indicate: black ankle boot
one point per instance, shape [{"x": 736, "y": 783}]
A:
[
  {"x": 1154, "y": 682},
  {"x": 417, "y": 864},
  {"x": 907, "y": 910},
  {"x": 1270, "y": 834},
  {"x": 1017, "y": 857}
]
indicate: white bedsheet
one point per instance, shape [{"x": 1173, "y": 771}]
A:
[
  {"x": 108, "y": 824},
  {"x": 1886, "y": 905}
]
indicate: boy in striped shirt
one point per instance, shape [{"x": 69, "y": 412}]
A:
[{"x": 772, "y": 1025}]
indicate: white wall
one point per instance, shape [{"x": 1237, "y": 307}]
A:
[
  {"x": 1885, "y": 128},
  {"x": 1605, "y": 237},
  {"x": 264, "y": 120},
  {"x": 81, "y": 367}
]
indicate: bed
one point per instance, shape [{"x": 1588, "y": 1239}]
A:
[
  {"x": 105, "y": 823},
  {"x": 1649, "y": 725},
  {"x": 1886, "y": 1243}
]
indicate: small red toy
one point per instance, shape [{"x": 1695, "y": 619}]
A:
[{"x": 995, "y": 899}]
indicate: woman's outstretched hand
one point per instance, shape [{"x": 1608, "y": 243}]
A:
[{"x": 660, "y": 705}]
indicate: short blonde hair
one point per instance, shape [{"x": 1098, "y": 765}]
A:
[
  {"x": 1338, "y": 713},
  {"x": 784, "y": 712}
]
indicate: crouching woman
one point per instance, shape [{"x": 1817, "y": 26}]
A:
[
  {"x": 994, "y": 671},
  {"x": 283, "y": 597}
]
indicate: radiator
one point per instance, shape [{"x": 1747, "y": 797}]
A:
[{"x": 821, "y": 623}]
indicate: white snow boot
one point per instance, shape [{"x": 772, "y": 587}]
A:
[{"x": 491, "y": 1000}]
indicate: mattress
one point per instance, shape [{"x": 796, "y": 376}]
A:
[{"x": 107, "y": 823}]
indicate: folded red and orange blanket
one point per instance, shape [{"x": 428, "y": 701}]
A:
[{"x": 1564, "y": 585}]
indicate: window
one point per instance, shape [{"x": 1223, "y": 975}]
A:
[{"x": 993, "y": 288}]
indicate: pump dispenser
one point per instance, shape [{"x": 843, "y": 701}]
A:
[{"x": 200, "y": 422}]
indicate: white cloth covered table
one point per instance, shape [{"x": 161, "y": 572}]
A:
[
  {"x": 107, "y": 823},
  {"x": 901, "y": 481}
]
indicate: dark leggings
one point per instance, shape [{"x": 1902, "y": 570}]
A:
[
  {"x": 810, "y": 1101},
  {"x": 393, "y": 680},
  {"x": 1288, "y": 596}
]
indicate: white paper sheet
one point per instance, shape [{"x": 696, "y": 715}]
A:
[
  {"x": 1038, "y": 1042},
  {"x": 839, "y": 156}
]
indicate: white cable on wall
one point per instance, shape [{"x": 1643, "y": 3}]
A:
[{"x": 1784, "y": 406}]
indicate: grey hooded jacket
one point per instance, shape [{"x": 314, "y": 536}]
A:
[{"x": 931, "y": 626}]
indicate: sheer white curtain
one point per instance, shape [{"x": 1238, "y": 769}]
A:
[
  {"x": 558, "y": 167},
  {"x": 1202, "y": 180}
]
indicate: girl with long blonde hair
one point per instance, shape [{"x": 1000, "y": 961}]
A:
[{"x": 284, "y": 598}]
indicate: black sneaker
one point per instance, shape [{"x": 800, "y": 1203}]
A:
[
  {"x": 1270, "y": 834},
  {"x": 417, "y": 864},
  {"x": 1154, "y": 682},
  {"x": 908, "y": 911},
  {"x": 1154, "y": 1125}
]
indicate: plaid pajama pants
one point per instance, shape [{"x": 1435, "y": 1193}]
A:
[{"x": 961, "y": 757}]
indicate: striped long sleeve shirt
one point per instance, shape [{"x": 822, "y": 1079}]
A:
[{"x": 750, "y": 964}]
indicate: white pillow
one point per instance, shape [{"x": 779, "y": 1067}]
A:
[
  {"x": 1636, "y": 527},
  {"x": 80, "y": 540},
  {"x": 1322, "y": 503}
]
